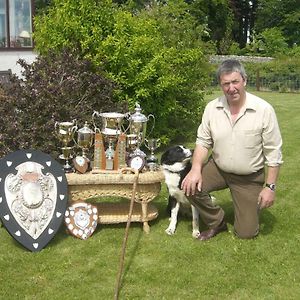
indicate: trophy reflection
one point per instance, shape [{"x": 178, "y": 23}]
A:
[
  {"x": 65, "y": 133},
  {"x": 152, "y": 161}
]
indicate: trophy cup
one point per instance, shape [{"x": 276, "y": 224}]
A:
[
  {"x": 85, "y": 139},
  {"x": 138, "y": 127},
  {"x": 137, "y": 132},
  {"x": 110, "y": 142},
  {"x": 152, "y": 145},
  {"x": 65, "y": 133}
]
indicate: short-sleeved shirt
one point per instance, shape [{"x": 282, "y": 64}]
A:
[{"x": 246, "y": 145}]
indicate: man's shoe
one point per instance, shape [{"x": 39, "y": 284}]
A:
[{"x": 208, "y": 234}]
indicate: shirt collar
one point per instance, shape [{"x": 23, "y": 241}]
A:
[{"x": 249, "y": 104}]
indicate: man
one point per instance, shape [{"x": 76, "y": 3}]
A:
[{"x": 242, "y": 132}]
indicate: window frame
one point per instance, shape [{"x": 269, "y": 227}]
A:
[{"x": 8, "y": 47}]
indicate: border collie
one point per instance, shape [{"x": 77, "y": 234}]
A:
[{"x": 176, "y": 163}]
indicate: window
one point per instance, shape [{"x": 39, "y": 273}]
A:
[{"x": 16, "y": 24}]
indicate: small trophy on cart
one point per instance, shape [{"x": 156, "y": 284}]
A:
[
  {"x": 65, "y": 133},
  {"x": 152, "y": 161},
  {"x": 85, "y": 139},
  {"x": 136, "y": 137}
]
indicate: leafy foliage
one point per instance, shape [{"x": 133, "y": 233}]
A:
[
  {"x": 56, "y": 87},
  {"x": 280, "y": 74},
  {"x": 155, "y": 55},
  {"x": 272, "y": 42}
]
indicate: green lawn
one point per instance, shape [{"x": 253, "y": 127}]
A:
[{"x": 158, "y": 266}]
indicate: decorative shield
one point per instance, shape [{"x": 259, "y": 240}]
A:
[
  {"x": 81, "y": 219},
  {"x": 33, "y": 197}
]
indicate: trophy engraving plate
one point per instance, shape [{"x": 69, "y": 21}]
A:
[
  {"x": 33, "y": 197},
  {"x": 120, "y": 157},
  {"x": 99, "y": 154},
  {"x": 81, "y": 219}
]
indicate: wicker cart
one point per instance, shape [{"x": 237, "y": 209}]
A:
[{"x": 88, "y": 186}]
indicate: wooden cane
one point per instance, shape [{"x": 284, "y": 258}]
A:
[{"x": 122, "y": 258}]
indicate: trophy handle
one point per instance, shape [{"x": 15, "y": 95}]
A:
[
  {"x": 151, "y": 116},
  {"x": 56, "y": 127},
  {"x": 146, "y": 143},
  {"x": 95, "y": 114},
  {"x": 73, "y": 130},
  {"x": 126, "y": 117}
]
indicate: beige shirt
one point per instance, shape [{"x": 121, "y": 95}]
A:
[{"x": 246, "y": 145}]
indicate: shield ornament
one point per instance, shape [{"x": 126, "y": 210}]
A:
[
  {"x": 81, "y": 219},
  {"x": 33, "y": 197}
]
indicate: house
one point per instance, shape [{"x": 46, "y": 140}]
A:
[{"x": 16, "y": 27}]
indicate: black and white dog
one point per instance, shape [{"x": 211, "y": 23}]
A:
[{"x": 176, "y": 163}]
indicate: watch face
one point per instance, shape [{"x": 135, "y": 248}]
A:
[
  {"x": 137, "y": 162},
  {"x": 271, "y": 186}
]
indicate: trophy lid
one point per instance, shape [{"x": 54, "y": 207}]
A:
[
  {"x": 112, "y": 115},
  {"x": 85, "y": 129},
  {"x": 138, "y": 116}
]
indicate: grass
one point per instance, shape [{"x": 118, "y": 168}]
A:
[{"x": 158, "y": 266}]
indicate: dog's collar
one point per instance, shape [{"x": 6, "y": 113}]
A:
[{"x": 174, "y": 172}]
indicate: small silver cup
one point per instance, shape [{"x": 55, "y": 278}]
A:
[{"x": 152, "y": 144}]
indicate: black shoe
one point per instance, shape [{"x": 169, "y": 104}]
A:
[{"x": 208, "y": 234}]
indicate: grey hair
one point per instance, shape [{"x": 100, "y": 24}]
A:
[{"x": 229, "y": 66}]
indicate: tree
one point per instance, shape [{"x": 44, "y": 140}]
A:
[
  {"x": 271, "y": 42},
  {"x": 284, "y": 15},
  {"x": 244, "y": 14},
  {"x": 155, "y": 55},
  {"x": 49, "y": 92},
  {"x": 217, "y": 16}
]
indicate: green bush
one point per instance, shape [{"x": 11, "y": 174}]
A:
[
  {"x": 154, "y": 55},
  {"x": 280, "y": 74},
  {"x": 56, "y": 87}
]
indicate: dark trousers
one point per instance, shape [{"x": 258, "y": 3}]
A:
[{"x": 244, "y": 191}]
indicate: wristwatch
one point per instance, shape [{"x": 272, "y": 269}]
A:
[{"x": 271, "y": 186}]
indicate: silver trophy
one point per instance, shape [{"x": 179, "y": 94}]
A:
[
  {"x": 152, "y": 161},
  {"x": 85, "y": 139},
  {"x": 65, "y": 133},
  {"x": 138, "y": 126}
]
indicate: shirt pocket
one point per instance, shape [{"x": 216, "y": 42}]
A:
[{"x": 250, "y": 139}]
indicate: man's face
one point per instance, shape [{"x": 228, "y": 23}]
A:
[{"x": 233, "y": 87}]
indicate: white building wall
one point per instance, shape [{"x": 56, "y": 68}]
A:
[{"x": 8, "y": 60}]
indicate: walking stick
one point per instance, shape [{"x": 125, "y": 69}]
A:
[{"x": 122, "y": 258}]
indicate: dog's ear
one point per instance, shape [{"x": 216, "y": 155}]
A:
[{"x": 163, "y": 158}]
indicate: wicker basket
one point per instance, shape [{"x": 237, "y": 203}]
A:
[
  {"x": 88, "y": 185},
  {"x": 92, "y": 186}
]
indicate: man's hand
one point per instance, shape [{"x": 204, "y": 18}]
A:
[
  {"x": 191, "y": 182},
  {"x": 266, "y": 198}
]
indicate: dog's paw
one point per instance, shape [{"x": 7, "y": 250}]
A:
[
  {"x": 170, "y": 230},
  {"x": 196, "y": 234}
]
